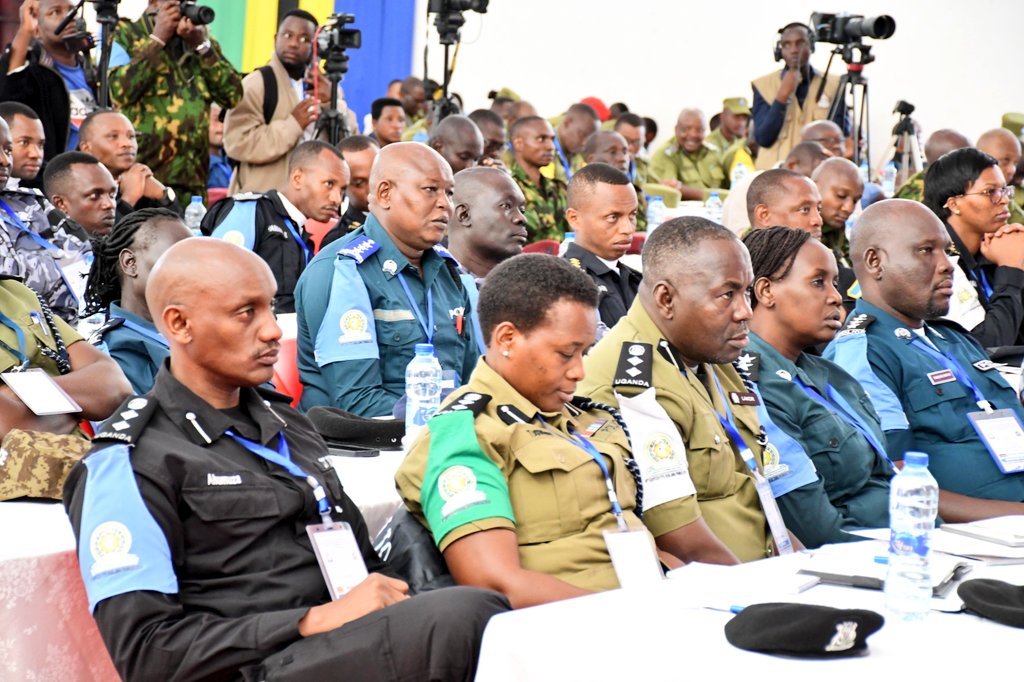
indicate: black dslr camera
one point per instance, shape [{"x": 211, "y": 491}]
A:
[
  {"x": 844, "y": 28},
  {"x": 449, "y": 19},
  {"x": 334, "y": 37},
  {"x": 196, "y": 13}
]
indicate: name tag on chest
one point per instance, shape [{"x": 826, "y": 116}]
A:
[{"x": 943, "y": 376}]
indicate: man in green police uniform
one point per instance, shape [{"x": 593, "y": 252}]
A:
[
  {"x": 688, "y": 322},
  {"x": 731, "y": 134},
  {"x": 533, "y": 146},
  {"x": 687, "y": 162},
  {"x": 631, "y": 127},
  {"x": 1004, "y": 147},
  {"x": 367, "y": 299}
]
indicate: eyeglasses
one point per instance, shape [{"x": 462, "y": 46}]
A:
[{"x": 994, "y": 194}]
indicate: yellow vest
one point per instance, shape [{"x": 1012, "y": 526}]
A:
[{"x": 796, "y": 116}]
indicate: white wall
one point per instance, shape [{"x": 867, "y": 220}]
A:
[{"x": 958, "y": 62}]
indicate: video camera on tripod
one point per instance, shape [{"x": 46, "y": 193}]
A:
[
  {"x": 449, "y": 20},
  {"x": 332, "y": 39}
]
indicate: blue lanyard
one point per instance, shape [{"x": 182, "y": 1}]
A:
[
  {"x": 954, "y": 366},
  {"x": 632, "y": 171},
  {"x": 298, "y": 239},
  {"x": 148, "y": 333},
  {"x": 282, "y": 457},
  {"x": 836, "y": 403},
  {"x": 564, "y": 161},
  {"x": 985, "y": 286},
  {"x": 588, "y": 447},
  {"x": 19, "y": 353},
  {"x": 730, "y": 426},
  {"x": 428, "y": 324},
  {"x": 17, "y": 222}
]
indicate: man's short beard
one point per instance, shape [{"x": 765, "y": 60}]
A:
[
  {"x": 934, "y": 311},
  {"x": 295, "y": 71}
]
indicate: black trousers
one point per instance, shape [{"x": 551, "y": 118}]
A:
[{"x": 432, "y": 636}]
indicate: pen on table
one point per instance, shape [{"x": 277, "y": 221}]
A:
[{"x": 881, "y": 559}]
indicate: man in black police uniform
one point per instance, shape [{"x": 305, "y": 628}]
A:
[
  {"x": 273, "y": 223},
  {"x": 193, "y": 543},
  {"x": 601, "y": 211}
]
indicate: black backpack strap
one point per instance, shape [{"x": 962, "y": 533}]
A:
[{"x": 269, "y": 92}]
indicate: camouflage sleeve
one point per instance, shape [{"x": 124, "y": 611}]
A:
[
  {"x": 222, "y": 80},
  {"x": 133, "y": 81}
]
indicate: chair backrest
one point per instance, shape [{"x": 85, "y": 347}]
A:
[
  {"x": 637, "y": 245},
  {"x": 215, "y": 194},
  {"x": 548, "y": 246},
  {"x": 317, "y": 230},
  {"x": 286, "y": 371}
]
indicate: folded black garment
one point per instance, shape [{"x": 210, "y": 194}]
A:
[
  {"x": 995, "y": 600},
  {"x": 337, "y": 425}
]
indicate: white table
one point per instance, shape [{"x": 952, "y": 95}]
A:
[{"x": 665, "y": 632}]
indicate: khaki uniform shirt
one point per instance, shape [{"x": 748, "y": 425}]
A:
[
  {"x": 21, "y": 306},
  {"x": 703, "y": 170},
  {"x": 726, "y": 497},
  {"x": 525, "y": 474}
]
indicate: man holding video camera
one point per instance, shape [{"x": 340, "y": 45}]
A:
[{"x": 165, "y": 72}]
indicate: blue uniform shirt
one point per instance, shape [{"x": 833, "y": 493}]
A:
[
  {"x": 137, "y": 347},
  {"x": 918, "y": 414},
  {"x": 849, "y": 483},
  {"x": 357, "y": 329}
]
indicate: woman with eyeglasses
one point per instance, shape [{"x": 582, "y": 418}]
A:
[{"x": 967, "y": 191}]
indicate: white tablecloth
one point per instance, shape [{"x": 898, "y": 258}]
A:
[{"x": 665, "y": 632}]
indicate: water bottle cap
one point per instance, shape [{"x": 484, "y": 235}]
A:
[
  {"x": 659, "y": 199},
  {"x": 197, "y": 200},
  {"x": 915, "y": 459},
  {"x": 424, "y": 349},
  {"x": 714, "y": 194}
]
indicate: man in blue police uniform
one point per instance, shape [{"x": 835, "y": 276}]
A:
[
  {"x": 272, "y": 224},
  {"x": 198, "y": 511},
  {"x": 931, "y": 383},
  {"x": 366, "y": 300}
]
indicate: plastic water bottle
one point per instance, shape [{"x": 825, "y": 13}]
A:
[
  {"x": 864, "y": 172},
  {"x": 714, "y": 208},
  {"x": 913, "y": 504},
  {"x": 567, "y": 238},
  {"x": 655, "y": 212},
  {"x": 739, "y": 171},
  {"x": 422, "y": 389},
  {"x": 889, "y": 180},
  {"x": 194, "y": 215}
]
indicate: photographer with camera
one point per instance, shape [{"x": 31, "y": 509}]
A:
[
  {"x": 41, "y": 70},
  {"x": 786, "y": 101},
  {"x": 165, "y": 72}
]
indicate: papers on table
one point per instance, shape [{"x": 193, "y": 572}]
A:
[
  {"x": 961, "y": 545},
  {"x": 1002, "y": 530}
]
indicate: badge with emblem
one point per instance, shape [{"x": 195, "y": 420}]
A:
[
  {"x": 784, "y": 375},
  {"x": 109, "y": 545},
  {"x": 457, "y": 486},
  {"x": 575, "y": 262},
  {"x": 773, "y": 467},
  {"x": 234, "y": 237},
  {"x": 390, "y": 267},
  {"x": 354, "y": 327},
  {"x": 984, "y": 365},
  {"x": 902, "y": 333}
]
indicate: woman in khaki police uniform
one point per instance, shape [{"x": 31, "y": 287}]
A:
[{"x": 517, "y": 479}]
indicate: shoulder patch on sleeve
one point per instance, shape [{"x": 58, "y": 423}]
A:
[
  {"x": 856, "y": 324},
  {"x": 635, "y": 366},
  {"x": 359, "y": 249},
  {"x": 239, "y": 226},
  {"x": 750, "y": 363},
  {"x": 128, "y": 421},
  {"x": 347, "y": 331},
  {"x": 851, "y": 353},
  {"x": 473, "y": 402},
  {"x": 444, "y": 253},
  {"x": 784, "y": 460},
  {"x": 121, "y": 547}
]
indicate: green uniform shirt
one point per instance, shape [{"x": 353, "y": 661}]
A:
[
  {"x": 502, "y": 463},
  {"x": 726, "y": 497},
  {"x": 727, "y": 150},
  {"x": 545, "y": 205},
  {"x": 21, "y": 306},
  {"x": 166, "y": 92},
  {"x": 703, "y": 170},
  {"x": 851, "y": 487},
  {"x": 913, "y": 188}
]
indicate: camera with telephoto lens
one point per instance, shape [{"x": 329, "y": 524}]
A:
[
  {"x": 334, "y": 37},
  {"x": 196, "y": 13},
  {"x": 844, "y": 28}
]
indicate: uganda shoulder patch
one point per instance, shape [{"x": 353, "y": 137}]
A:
[
  {"x": 856, "y": 324},
  {"x": 473, "y": 402},
  {"x": 635, "y": 366},
  {"x": 128, "y": 422}
]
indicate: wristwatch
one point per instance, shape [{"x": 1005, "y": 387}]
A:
[
  {"x": 168, "y": 197},
  {"x": 203, "y": 47}
]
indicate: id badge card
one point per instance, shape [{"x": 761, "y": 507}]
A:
[
  {"x": 40, "y": 392},
  {"x": 633, "y": 557},
  {"x": 1003, "y": 435},
  {"x": 772, "y": 514},
  {"x": 337, "y": 552}
]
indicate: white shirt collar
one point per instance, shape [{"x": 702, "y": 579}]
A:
[{"x": 293, "y": 213}]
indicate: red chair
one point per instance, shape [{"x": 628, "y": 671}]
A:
[
  {"x": 638, "y": 243},
  {"x": 215, "y": 194},
  {"x": 286, "y": 371},
  {"x": 548, "y": 246},
  {"x": 317, "y": 231}
]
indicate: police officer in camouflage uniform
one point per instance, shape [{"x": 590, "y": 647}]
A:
[
  {"x": 164, "y": 74},
  {"x": 688, "y": 163},
  {"x": 533, "y": 147},
  {"x": 940, "y": 142}
]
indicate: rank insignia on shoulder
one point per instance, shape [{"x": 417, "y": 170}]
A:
[
  {"x": 359, "y": 249},
  {"x": 510, "y": 414},
  {"x": 635, "y": 365},
  {"x": 473, "y": 402},
  {"x": 750, "y": 363},
  {"x": 247, "y": 196},
  {"x": 443, "y": 252},
  {"x": 575, "y": 262},
  {"x": 984, "y": 365},
  {"x": 856, "y": 324},
  {"x": 128, "y": 422}
]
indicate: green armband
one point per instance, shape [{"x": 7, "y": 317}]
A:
[{"x": 461, "y": 484}]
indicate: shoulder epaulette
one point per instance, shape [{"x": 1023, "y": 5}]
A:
[
  {"x": 359, "y": 249},
  {"x": 444, "y": 253},
  {"x": 110, "y": 324},
  {"x": 510, "y": 414},
  {"x": 474, "y": 402},
  {"x": 128, "y": 421},
  {"x": 247, "y": 196},
  {"x": 856, "y": 324},
  {"x": 635, "y": 366},
  {"x": 31, "y": 191},
  {"x": 749, "y": 363}
]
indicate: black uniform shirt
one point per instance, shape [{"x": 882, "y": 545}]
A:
[{"x": 617, "y": 288}]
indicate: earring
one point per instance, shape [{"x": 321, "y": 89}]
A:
[
  {"x": 956, "y": 212},
  {"x": 505, "y": 353}
]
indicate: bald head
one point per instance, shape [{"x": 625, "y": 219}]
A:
[
  {"x": 943, "y": 141},
  {"x": 410, "y": 194},
  {"x": 826, "y": 133},
  {"x": 607, "y": 146},
  {"x": 875, "y": 226},
  {"x": 1004, "y": 147},
  {"x": 459, "y": 141},
  {"x": 841, "y": 188},
  {"x": 831, "y": 169},
  {"x": 805, "y": 157}
]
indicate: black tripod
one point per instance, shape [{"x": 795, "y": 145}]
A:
[
  {"x": 333, "y": 121},
  {"x": 856, "y": 55}
]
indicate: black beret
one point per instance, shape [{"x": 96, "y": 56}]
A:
[
  {"x": 994, "y": 599},
  {"x": 802, "y": 629},
  {"x": 339, "y": 426}
]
